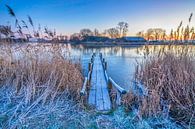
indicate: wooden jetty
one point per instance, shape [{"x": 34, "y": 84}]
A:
[{"x": 100, "y": 85}]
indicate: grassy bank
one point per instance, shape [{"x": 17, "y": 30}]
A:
[
  {"x": 33, "y": 80},
  {"x": 168, "y": 77},
  {"x": 39, "y": 88}
]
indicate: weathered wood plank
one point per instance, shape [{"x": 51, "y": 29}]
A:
[
  {"x": 99, "y": 90},
  {"x": 120, "y": 89}
]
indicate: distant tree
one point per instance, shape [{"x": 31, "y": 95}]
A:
[
  {"x": 113, "y": 33},
  {"x": 149, "y": 34},
  {"x": 123, "y": 28},
  {"x": 155, "y": 33},
  {"x": 159, "y": 33},
  {"x": 104, "y": 33},
  {"x": 86, "y": 32},
  {"x": 75, "y": 37},
  {"x": 96, "y": 32},
  {"x": 140, "y": 34}
]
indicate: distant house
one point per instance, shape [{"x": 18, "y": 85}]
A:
[
  {"x": 95, "y": 39},
  {"x": 133, "y": 39}
]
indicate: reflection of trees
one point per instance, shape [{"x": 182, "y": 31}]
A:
[{"x": 126, "y": 52}]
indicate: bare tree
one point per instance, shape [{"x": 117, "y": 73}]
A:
[
  {"x": 140, "y": 34},
  {"x": 123, "y": 28},
  {"x": 96, "y": 32},
  {"x": 113, "y": 33},
  {"x": 75, "y": 37},
  {"x": 86, "y": 32},
  {"x": 155, "y": 34}
]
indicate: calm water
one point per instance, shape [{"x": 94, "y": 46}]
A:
[{"x": 121, "y": 61}]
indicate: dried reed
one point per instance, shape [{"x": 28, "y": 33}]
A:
[{"x": 169, "y": 78}]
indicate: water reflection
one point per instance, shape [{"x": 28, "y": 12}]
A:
[{"x": 122, "y": 60}]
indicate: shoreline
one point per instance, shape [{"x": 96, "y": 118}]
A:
[{"x": 127, "y": 44}]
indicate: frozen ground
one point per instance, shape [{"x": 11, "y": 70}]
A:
[{"x": 64, "y": 113}]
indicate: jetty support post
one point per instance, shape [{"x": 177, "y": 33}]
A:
[{"x": 116, "y": 92}]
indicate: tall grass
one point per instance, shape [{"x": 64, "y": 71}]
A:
[
  {"x": 169, "y": 79},
  {"x": 34, "y": 76}
]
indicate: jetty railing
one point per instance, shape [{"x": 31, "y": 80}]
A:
[
  {"x": 88, "y": 78},
  {"x": 116, "y": 91}
]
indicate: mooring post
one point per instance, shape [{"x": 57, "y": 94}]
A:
[
  {"x": 103, "y": 60},
  {"x": 89, "y": 67},
  {"x": 101, "y": 56},
  {"x": 109, "y": 86},
  {"x": 92, "y": 59},
  {"x": 105, "y": 65},
  {"x": 118, "y": 98}
]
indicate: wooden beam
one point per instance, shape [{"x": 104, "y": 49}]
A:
[
  {"x": 83, "y": 90},
  {"x": 120, "y": 89}
]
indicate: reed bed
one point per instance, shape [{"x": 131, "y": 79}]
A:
[
  {"x": 168, "y": 78},
  {"x": 33, "y": 77}
]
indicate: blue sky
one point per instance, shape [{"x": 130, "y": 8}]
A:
[{"x": 69, "y": 16}]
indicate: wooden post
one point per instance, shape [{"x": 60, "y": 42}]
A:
[
  {"x": 103, "y": 60},
  {"x": 88, "y": 78},
  {"x": 118, "y": 98},
  {"x": 109, "y": 86},
  {"x": 105, "y": 65},
  {"x": 100, "y": 55},
  {"x": 89, "y": 67}
]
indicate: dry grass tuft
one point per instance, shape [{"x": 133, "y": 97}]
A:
[
  {"x": 35, "y": 70},
  {"x": 33, "y": 77},
  {"x": 169, "y": 79}
]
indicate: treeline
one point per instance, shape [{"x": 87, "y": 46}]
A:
[
  {"x": 116, "y": 32},
  {"x": 182, "y": 33}
]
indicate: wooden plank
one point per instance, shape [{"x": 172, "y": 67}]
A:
[
  {"x": 99, "y": 90},
  {"x": 106, "y": 100}
]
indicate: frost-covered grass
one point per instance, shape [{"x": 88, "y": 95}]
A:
[
  {"x": 35, "y": 76},
  {"x": 39, "y": 88},
  {"x": 169, "y": 79},
  {"x": 65, "y": 113}
]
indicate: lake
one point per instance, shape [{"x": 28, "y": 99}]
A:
[{"x": 121, "y": 61}]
